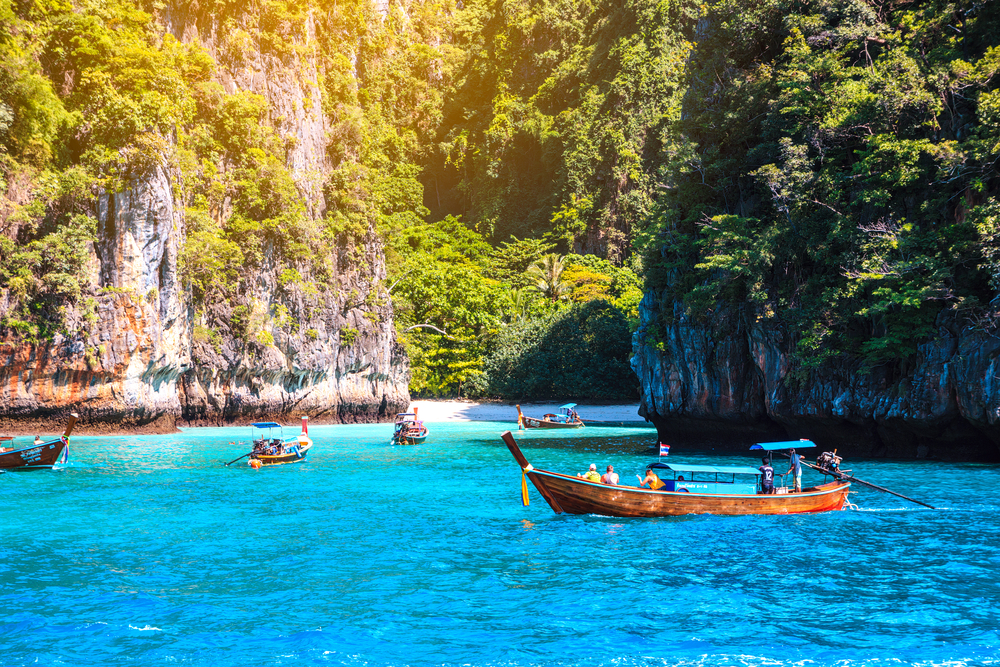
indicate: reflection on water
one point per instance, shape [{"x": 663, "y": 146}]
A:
[{"x": 148, "y": 549}]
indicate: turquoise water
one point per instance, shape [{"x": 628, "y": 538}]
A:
[{"x": 147, "y": 551}]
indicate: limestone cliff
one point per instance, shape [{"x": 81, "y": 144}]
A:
[
  {"x": 137, "y": 353},
  {"x": 727, "y": 383}
]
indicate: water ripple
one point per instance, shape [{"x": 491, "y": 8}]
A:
[{"x": 147, "y": 550}]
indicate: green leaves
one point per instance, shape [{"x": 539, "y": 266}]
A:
[
  {"x": 835, "y": 168},
  {"x": 578, "y": 352},
  {"x": 208, "y": 260}
]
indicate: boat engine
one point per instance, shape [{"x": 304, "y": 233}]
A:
[{"x": 829, "y": 461}]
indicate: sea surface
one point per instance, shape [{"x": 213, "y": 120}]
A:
[{"x": 147, "y": 550}]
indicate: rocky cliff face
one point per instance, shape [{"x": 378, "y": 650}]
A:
[
  {"x": 312, "y": 367},
  {"x": 130, "y": 339},
  {"x": 726, "y": 383},
  {"x": 138, "y": 355}
]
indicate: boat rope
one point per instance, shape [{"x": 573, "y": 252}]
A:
[{"x": 848, "y": 503}]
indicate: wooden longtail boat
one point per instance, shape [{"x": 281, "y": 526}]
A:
[
  {"x": 566, "y": 418},
  {"x": 268, "y": 451},
  {"x": 573, "y": 495},
  {"x": 408, "y": 429},
  {"x": 41, "y": 456}
]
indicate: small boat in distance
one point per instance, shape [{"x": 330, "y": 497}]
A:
[
  {"x": 268, "y": 450},
  {"x": 566, "y": 418},
  {"x": 408, "y": 429},
  {"x": 693, "y": 490},
  {"x": 41, "y": 456}
]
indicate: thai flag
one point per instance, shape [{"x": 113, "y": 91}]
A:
[{"x": 664, "y": 449}]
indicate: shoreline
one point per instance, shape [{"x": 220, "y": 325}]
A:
[
  {"x": 430, "y": 410},
  {"x": 447, "y": 410}
]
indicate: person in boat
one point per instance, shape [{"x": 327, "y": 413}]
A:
[
  {"x": 591, "y": 474},
  {"x": 610, "y": 477},
  {"x": 796, "y": 465},
  {"x": 766, "y": 477},
  {"x": 654, "y": 482}
]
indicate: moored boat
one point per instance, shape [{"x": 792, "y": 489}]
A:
[
  {"x": 408, "y": 429},
  {"x": 736, "y": 493},
  {"x": 39, "y": 456},
  {"x": 269, "y": 451},
  {"x": 565, "y": 417}
]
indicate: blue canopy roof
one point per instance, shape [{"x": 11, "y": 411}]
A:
[
  {"x": 266, "y": 425},
  {"x": 568, "y": 406},
  {"x": 790, "y": 444},
  {"x": 725, "y": 470}
]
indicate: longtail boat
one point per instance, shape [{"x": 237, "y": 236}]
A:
[
  {"x": 269, "y": 451},
  {"x": 691, "y": 495},
  {"x": 39, "y": 456},
  {"x": 566, "y": 417},
  {"x": 409, "y": 430}
]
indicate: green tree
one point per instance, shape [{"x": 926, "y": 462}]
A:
[{"x": 547, "y": 273}]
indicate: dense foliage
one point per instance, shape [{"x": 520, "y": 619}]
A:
[
  {"x": 835, "y": 170},
  {"x": 477, "y": 320},
  {"x": 553, "y": 122},
  {"x": 828, "y": 166},
  {"x": 581, "y": 351}
]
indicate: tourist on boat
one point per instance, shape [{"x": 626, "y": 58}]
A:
[
  {"x": 796, "y": 465},
  {"x": 767, "y": 477},
  {"x": 610, "y": 477},
  {"x": 38, "y": 439},
  {"x": 591, "y": 474},
  {"x": 652, "y": 480}
]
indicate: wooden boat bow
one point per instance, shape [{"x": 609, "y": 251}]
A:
[{"x": 508, "y": 438}]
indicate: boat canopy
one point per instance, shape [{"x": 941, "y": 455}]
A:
[
  {"x": 568, "y": 406},
  {"x": 266, "y": 425},
  {"x": 725, "y": 470},
  {"x": 789, "y": 444},
  {"x": 405, "y": 414}
]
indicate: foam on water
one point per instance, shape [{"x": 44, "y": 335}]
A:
[{"x": 147, "y": 550}]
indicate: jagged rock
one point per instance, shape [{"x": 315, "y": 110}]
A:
[{"x": 726, "y": 383}]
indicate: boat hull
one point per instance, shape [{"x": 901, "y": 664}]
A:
[
  {"x": 532, "y": 422},
  {"x": 36, "y": 457},
  {"x": 571, "y": 495},
  {"x": 280, "y": 459},
  {"x": 406, "y": 440}
]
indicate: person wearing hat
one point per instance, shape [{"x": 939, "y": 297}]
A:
[
  {"x": 796, "y": 465},
  {"x": 591, "y": 474}
]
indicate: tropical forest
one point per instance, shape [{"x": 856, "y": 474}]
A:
[{"x": 525, "y": 192}]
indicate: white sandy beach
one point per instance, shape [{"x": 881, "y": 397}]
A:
[{"x": 445, "y": 411}]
